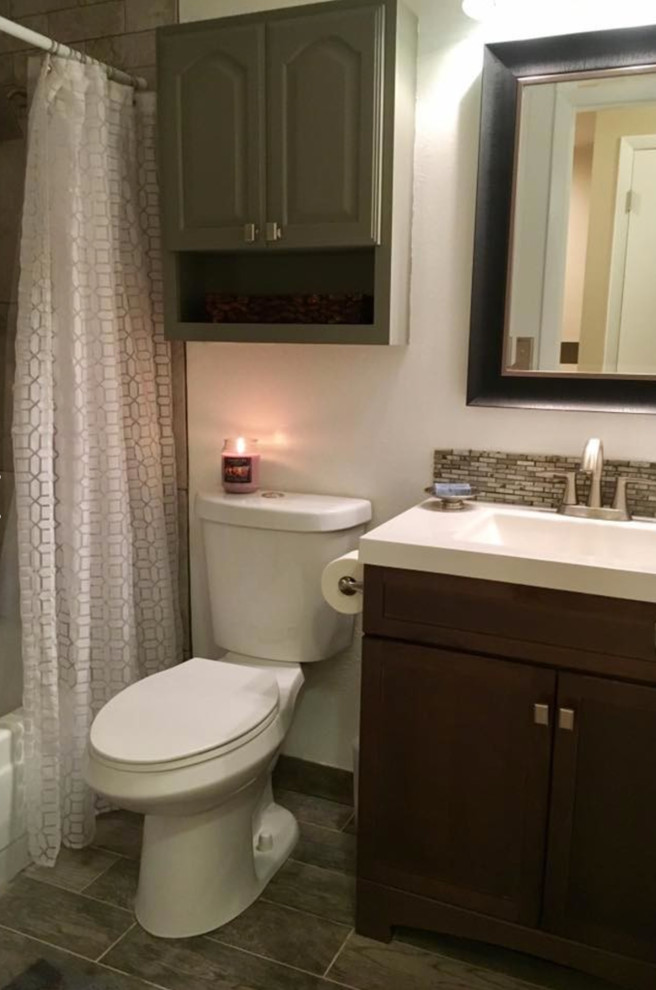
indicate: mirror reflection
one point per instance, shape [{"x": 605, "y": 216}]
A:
[{"x": 582, "y": 270}]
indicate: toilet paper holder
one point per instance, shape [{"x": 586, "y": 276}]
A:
[{"x": 350, "y": 586}]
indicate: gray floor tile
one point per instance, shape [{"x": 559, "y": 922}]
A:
[
  {"x": 120, "y": 832},
  {"x": 515, "y": 964},
  {"x": 29, "y": 965},
  {"x": 309, "y": 888},
  {"x": 292, "y": 774},
  {"x": 370, "y": 965},
  {"x": 315, "y": 810},
  {"x": 285, "y": 935},
  {"x": 75, "y": 868},
  {"x": 66, "y": 919},
  {"x": 118, "y": 885},
  {"x": 199, "y": 963},
  {"x": 325, "y": 847},
  {"x": 351, "y": 826}
]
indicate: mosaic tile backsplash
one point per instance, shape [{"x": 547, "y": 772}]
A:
[{"x": 533, "y": 479}]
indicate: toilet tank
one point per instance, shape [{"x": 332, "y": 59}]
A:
[{"x": 265, "y": 553}]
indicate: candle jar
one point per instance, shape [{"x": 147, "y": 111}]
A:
[{"x": 240, "y": 466}]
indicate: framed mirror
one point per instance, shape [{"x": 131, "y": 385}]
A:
[{"x": 564, "y": 282}]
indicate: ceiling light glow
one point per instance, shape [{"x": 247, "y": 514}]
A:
[{"x": 479, "y": 10}]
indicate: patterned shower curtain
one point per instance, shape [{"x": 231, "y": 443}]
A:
[{"x": 93, "y": 441}]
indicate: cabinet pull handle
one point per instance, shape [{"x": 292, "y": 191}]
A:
[
  {"x": 566, "y": 718},
  {"x": 541, "y": 714},
  {"x": 250, "y": 232},
  {"x": 273, "y": 231}
]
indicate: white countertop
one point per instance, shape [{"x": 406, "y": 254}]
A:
[{"x": 520, "y": 546}]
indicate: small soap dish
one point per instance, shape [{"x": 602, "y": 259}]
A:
[{"x": 451, "y": 501}]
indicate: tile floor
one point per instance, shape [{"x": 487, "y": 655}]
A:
[{"x": 72, "y": 928}]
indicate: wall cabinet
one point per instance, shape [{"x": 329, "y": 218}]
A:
[
  {"x": 507, "y": 785},
  {"x": 287, "y": 134}
]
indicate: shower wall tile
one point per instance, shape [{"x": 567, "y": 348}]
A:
[
  {"x": 146, "y": 14},
  {"x": 95, "y": 21},
  {"x": 183, "y": 571},
  {"x": 125, "y": 50},
  {"x": 179, "y": 371},
  {"x": 26, "y": 7},
  {"x": 12, "y": 170}
]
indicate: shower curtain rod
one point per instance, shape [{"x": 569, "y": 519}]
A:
[{"x": 56, "y": 48}]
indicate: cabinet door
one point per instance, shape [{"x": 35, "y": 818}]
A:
[
  {"x": 601, "y": 866},
  {"x": 454, "y": 780},
  {"x": 211, "y": 120},
  {"x": 324, "y": 86}
]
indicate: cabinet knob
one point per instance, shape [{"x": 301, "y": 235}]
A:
[
  {"x": 541, "y": 714},
  {"x": 566, "y": 717},
  {"x": 250, "y": 232},
  {"x": 273, "y": 231}
]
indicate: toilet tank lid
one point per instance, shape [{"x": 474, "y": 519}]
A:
[{"x": 289, "y": 511}]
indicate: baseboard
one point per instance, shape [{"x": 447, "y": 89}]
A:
[{"x": 332, "y": 783}]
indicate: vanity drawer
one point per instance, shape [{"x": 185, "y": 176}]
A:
[{"x": 537, "y": 624}]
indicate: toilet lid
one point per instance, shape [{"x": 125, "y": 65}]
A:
[{"x": 194, "y": 707}]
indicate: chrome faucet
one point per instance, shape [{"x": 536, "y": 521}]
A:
[{"x": 592, "y": 462}]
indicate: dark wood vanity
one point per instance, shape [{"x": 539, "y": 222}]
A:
[{"x": 508, "y": 769}]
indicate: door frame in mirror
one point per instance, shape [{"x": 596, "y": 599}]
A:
[{"x": 505, "y": 64}]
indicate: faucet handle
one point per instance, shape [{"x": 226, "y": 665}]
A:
[
  {"x": 569, "y": 494},
  {"x": 619, "y": 500}
]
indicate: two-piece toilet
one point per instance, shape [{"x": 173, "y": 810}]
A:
[{"x": 193, "y": 747}]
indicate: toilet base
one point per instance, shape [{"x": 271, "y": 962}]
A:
[{"x": 198, "y": 872}]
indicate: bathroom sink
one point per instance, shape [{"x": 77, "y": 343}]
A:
[
  {"x": 554, "y": 537},
  {"x": 520, "y": 545}
]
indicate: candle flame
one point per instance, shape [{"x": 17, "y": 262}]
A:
[{"x": 241, "y": 445}]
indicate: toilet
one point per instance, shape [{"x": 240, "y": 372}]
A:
[{"x": 193, "y": 748}]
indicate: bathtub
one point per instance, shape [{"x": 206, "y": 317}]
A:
[{"x": 13, "y": 838}]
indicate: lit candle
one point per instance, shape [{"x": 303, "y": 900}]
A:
[{"x": 240, "y": 466}]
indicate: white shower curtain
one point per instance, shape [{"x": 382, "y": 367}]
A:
[{"x": 93, "y": 441}]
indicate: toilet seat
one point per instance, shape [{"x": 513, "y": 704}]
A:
[{"x": 193, "y": 712}]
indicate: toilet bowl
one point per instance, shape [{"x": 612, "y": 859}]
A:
[
  {"x": 192, "y": 748},
  {"x": 213, "y": 835}
]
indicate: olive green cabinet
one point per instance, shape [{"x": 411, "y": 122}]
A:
[
  {"x": 212, "y": 136},
  {"x": 323, "y": 126},
  {"x": 272, "y": 131},
  {"x": 289, "y": 134}
]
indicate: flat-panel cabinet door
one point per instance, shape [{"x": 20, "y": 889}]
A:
[
  {"x": 601, "y": 866},
  {"x": 211, "y": 86},
  {"x": 454, "y": 782},
  {"x": 324, "y": 86}
]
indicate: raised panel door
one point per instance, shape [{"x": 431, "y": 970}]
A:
[
  {"x": 601, "y": 865},
  {"x": 212, "y": 131},
  {"x": 454, "y": 777},
  {"x": 324, "y": 104}
]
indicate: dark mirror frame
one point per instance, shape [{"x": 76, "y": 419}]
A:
[{"x": 504, "y": 65}]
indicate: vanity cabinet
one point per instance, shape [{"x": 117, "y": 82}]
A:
[
  {"x": 286, "y": 143},
  {"x": 507, "y": 783}
]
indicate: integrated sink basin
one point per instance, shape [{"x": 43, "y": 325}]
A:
[
  {"x": 549, "y": 536},
  {"x": 521, "y": 546}
]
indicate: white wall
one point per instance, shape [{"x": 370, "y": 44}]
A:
[{"x": 363, "y": 420}]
